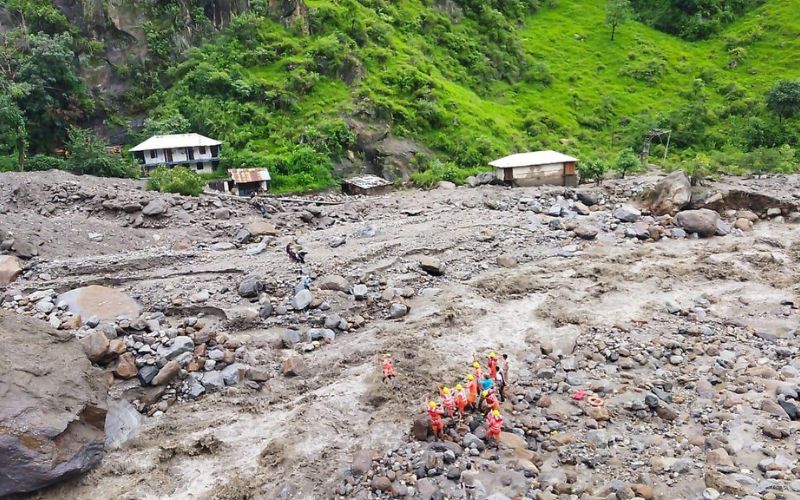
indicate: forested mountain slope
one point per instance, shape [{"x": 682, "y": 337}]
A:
[{"x": 305, "y": 87}]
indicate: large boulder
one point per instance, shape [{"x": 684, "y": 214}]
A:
[
  {"x": 431, "y": 265},
  {"x": 54, "y": 430},
  {"x": 671, "y": 194},
  {"x": 250, "y": 286},
  {"x": 703, "y": 222},
  {"x": 101, "y": 301},
  {"x": 627, "y": 213},
  {"x": 262, "y": 228},
  {"x": 155, "y": 208},
  {"x": 10, "y": 269}
]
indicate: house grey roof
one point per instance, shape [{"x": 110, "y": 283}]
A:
[{"x": 532, "y": 159}]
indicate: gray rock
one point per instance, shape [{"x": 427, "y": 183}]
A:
[
  {"x": 92, "y": 322},
  {"x": 259, "y": 248},
  {"x": 702, "y": 222},
  {"x": 336, "y": 242},
  {"x": 194, "y": 387},
  {"x": 231, "y": 374},
  {"x": 215, "y": 354},
  {"x": 360, "y": 292},
  {"x": 589, "y": 199},
  {"x": 213, "y": 381},
  {"x": 332, "y": 321},
  {"x": 627, "y": 213},
  {"x": 266, "y": 310},
  {"x": 242, "y": 236},
  {"x": 446, "y": 185},
  {"x": 398, "y": 310},
  {"x": 554, "y": 211},
  {"x": 333, "y": 282},
  {"x": 368, "y": 231},
  {"x": 223, "y": 246},
  {"x": 122, "y": 424},
  {"x": 155, "y": 208},
  {"x": 672, "y": 193},
  {"x": 250, "y": 286},
  {"x": 723, "y": 228},
  {"x": 44, "y": 306},
  {"x": 320, "y": 334},
  {"x": 586, "y": 232},
  {"x": 431, "y": 265},
  {"x": 222, "y": 214},
  {"x": 177, "y": 346},
  {"x": 677, "y": 233},
  {"x": 302, "y": 300},
  {"x": 581, "y": 209},
  {"x": 201, "y": 296},
  {"x": 485, "y": 178},
  {"x": 290, "y": 338},
  {"x": 147, "y": 373}
]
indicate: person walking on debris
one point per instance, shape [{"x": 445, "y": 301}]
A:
[
  {"x": 461, "y": 400},
  {"x": 258, "y": 205},
  {"x": 477, "y": 372},
  {"x": 490, "y": 398},
  {"x": 472, "y": 386},
  {"x": 494, "y": 421},
  {"x": 492, "y": 365},
  {"x": 388, "y": 368},
  {"x": 298, "y": 255},
  {"x": 500, "y": 382},
  {"x": 437, "y": 420},
  {"x": 448, "y": 401}
]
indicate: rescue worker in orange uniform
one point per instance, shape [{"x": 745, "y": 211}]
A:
[
  {"x": 477, "y": 372},
  {"x": 495, "y": 424},
  {"x": 461, "y": 399},
  {"x": 492, "y": 365},
  {"x": 472, "y": 386},
  {"x": 448, "y": 401},
  {"x": 388, "y": 368},
  {"x": 437, "y": 422},
  {"x": 490, "y": 398}
]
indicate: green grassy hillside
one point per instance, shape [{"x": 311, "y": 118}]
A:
[{"x": 473, "y": 80}]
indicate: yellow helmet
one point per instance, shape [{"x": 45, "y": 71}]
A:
[
  {"x": 458, "y": 387},
  {"x": 470, "y": 377},
  {"x": 431, "y": 405},
  {"x": 476, "y": 365},
  {"x": 485, "y": 393},
  {"x": 492, "y": 355},
  {"x": 496, "y": 413},
  {"x": 446, "y": 390}
]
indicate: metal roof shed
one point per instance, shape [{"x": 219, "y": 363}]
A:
[{"x": 537, "y": 168}]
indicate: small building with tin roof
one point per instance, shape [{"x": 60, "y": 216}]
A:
[{"x": 536, "y": 169}]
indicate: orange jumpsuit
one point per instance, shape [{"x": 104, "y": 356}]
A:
[
  {"x": 388, "y": 369},
  {"x": 449, "y": 404},
  {"x": 478, "y": 373},
  {"x": 437, "y": 423},
  {"x": 492, "y": 402},
  {"x": 492, "y": 368},
  {"x": 461, "y": 401},
  {"x": 473, "y": 391},
  {"x": 495, "y": 425}
]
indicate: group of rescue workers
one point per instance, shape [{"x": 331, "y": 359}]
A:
[{"x": 484, "y": 391}]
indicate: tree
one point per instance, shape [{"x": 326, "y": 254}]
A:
[
  {"x": 626, "y": 162},
  {"x": 87, "y": 155},
  {"x": 593, "y": 169},
  {"x": 617, "y": 12},
  {"x": 784, "y": 99},
  {"x": 13, "y": 133},
  {"x": 178, "y": 180}
]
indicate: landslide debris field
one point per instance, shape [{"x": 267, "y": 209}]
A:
[{"x": 235, "y": 372}]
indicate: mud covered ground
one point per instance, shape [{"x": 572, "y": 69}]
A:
[{"x": 628, "y": 314}]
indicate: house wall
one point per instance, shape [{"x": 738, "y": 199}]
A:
[
  {"x": 178, "y": 155},
  {"x": 538, "y": 175}
]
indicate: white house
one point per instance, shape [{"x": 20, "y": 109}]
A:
[
  {"x": 193, "y": 151},
  {"x": 536, "y": 168}
]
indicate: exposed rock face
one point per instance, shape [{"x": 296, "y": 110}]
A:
[
  {"x": 54, "y": 429},
  {"x": 103, "y": 302},
  {"x": 672, "y": 193}
]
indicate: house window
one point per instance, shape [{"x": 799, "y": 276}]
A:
[
  {"x": 153, "y": 153},
  {"x": 199, "y": 166},
  {"x": 202, "y": 150}
]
